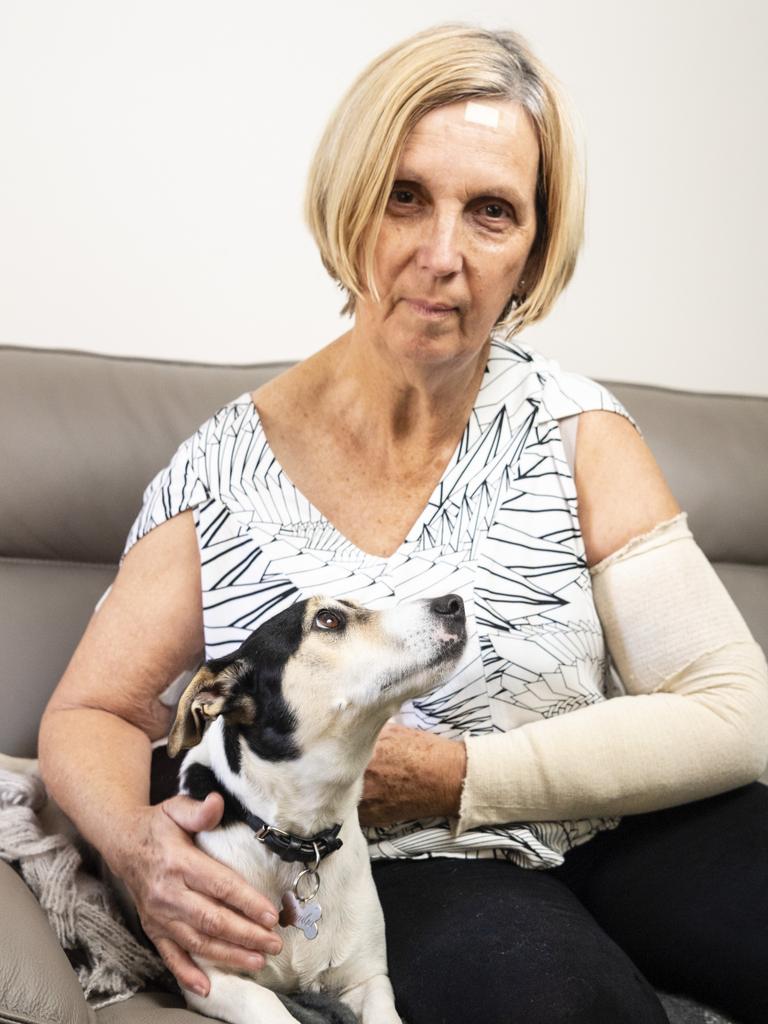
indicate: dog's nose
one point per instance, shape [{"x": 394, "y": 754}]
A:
[{"x": 451, "y": 606}]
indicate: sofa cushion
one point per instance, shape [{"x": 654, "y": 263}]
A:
[
  {"x": 46, "y": 605},
  {"x": 37, "y": 984},
  {"x": 711, "y": 449},
  {"x": 82, "y": 435},
  {"x": 748, "y": 586},
  {"x": 149, "y": 1008}
]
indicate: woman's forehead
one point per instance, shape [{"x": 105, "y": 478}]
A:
[
  {"x": 488, "y": 119},
  {"x": 494, "y": 137}
]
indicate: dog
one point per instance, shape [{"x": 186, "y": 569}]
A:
[{"x": 284, "y": 728}]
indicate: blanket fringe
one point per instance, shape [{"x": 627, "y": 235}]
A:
[{"x": 111, "y": 964}]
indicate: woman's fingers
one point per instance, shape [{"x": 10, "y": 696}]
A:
[
  {"x": 217, "y": 921},
  {"x": 212, "y": 878},
  {"x": 212, "y": 901},
  {"x": 216, "y": 950},
  {"x": 177, "y": 940},
  {"x": 226, "y": 886},
  {"x": 194, "y": 815},
  {"x": 191, "y": 905},
  {"x": 182, "y": 966}
]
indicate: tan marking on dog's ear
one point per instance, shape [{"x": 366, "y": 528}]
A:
[
  {"x": 202, "y": 700},
  {"x": 242, "y": 710}
]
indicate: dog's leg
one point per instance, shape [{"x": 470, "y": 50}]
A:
[
  {"x": 238, "y": 1000},
  {"x": 373, "y": 1001}
]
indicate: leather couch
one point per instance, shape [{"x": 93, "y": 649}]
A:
[{"x": 80, "y": 437}]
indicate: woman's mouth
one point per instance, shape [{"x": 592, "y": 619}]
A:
[{"x": 432, "y": 311}]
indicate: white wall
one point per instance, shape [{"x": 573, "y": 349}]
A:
[{"x": 153, "y": 155}]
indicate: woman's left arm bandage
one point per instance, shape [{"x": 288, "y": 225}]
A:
[{"x": 694, "y": 722}]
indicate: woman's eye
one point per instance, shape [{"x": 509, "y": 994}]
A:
[
  {"x": 327, "y": 619},
  {"x": 494, "y": 211},
  {"x": 402, "y": 195}
]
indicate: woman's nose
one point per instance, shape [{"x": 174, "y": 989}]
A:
[{"x": 440, "y": 249}]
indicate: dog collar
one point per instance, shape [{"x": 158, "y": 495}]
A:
[{"x": 290, "y": 847}]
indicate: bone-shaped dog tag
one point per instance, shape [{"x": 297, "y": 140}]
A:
[{"x": 300, "y": 915}]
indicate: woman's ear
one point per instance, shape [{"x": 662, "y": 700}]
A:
[{"x": 202, "y": 701}]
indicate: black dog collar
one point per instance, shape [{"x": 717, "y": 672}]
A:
[{"x": 290, "y": 847}]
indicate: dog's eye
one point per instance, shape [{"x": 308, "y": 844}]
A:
[{"x": 326, "y": 619}]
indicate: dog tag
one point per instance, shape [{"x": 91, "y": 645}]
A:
[{"x": 303, "y": 915}]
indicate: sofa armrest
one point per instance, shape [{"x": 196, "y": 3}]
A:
[
  {"x": 150, "y": 1008},
  {"x": 37, "y": 984}
]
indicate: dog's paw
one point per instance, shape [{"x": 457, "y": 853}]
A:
[{"x": 317, "y": 1008}]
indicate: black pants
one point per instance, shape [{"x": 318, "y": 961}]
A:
[{"x": 676, "y": 899}]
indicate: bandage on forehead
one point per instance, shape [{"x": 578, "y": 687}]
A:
[
  {"x": 663, "y": 606},
  {"x": 482, "y": 113}
]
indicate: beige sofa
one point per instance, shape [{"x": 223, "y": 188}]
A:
[{"x": 80, "y": 437}]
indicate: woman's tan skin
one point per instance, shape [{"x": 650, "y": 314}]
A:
[{"x": 389, "y": 401}]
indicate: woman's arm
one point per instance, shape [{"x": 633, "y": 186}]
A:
[
  {"x": 620, "y": 488},
  {"x": 702, "y": 730},
  {"x": 412, "y": 774},
  {"x": 95, "y": 747}
]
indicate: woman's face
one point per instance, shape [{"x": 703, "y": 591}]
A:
[{"x": 457, "y": 231}]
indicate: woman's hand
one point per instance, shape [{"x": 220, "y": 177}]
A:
[
  {"x": 412, "y": 774},
  {"x": 186, "y": 900}
]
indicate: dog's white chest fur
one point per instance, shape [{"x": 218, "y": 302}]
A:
[{"x": 351, "y": 927}]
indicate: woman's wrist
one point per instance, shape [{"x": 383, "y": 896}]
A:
[
  {"x": 118, "y": 844},
  {"x": 452, "y": 769}
]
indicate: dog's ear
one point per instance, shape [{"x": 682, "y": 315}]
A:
[{"x": 202, "y": 701}]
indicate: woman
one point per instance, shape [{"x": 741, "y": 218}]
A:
[{"x": 420, "y": 453}]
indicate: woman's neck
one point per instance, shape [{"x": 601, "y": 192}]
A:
[{"x": 402, "y": 404}]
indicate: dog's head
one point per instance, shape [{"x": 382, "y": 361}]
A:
[{"x": 320, "y": 668}]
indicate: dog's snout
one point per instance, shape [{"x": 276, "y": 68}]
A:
[{"x": 450, "y": 606}]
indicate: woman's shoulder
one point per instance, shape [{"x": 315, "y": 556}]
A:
[
  {"x": 557, "y": 392},
  {"x": 196, "y": 468},
  {"x": 287, "y": 391},
  {"x": 228, "y": 421}
]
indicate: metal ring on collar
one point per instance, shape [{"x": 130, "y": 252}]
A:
[
  {"x": 309, "y": 872},
  {"x": 315, "y": 888}
]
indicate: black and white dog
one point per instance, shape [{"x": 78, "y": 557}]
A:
[{"x": 284, "y": 728}]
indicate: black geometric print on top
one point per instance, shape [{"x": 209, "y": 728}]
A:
[{"x": 500, "y": 529}]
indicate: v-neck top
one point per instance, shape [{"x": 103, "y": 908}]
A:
[{"x": 500, "y": 528}]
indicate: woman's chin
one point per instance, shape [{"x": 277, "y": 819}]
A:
[
  {"x": 428, "y": 344},
  {"x": 411, "y": 333},
  {"x": 433, "y": 342}
]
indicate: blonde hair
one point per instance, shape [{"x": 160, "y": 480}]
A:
[{"x": 352, "y": 173}]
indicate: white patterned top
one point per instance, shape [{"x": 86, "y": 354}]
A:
[{"x": 500, "y": 529}]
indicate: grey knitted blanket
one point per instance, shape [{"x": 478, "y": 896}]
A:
[{"x": 111, "y": 964}]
